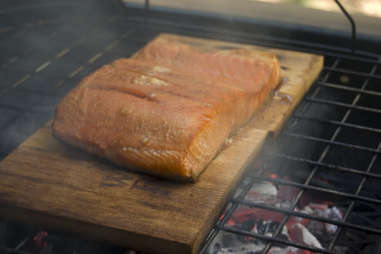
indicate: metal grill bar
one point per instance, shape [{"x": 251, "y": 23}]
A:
[
  {"x": 274, "y": 239},
  {"x": 352, "y": 204},
  {"x": 341, "y": 104},
  {"x": 304, "y": 215},
  {"x": 346, "y": 88},
  {"x": 227, "y": 213},
  {"x": 308, "y": 179},
  {"x": 352, "y": 22},
  {"x": 337, "y": 131},
  {"x": 362, "y": 74},
  {"x": 265, "y": 40},
  {"x": 326, "y": 165},
  {"x": 60, "y": 55},
  {"x": 307, "y": 185},
  {"x": 370, "y": 166},
  {"x": 349, "y": 125},
  {"x": 293, "y": 206},
  {"x": 320, "y": 189},
  {"x": 336, "y": 143},
  {"x": 12, "y": 251}
]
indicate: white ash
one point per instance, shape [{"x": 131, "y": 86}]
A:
[
  {"x": 324, "y": 211},
  {"x": 300, "y": 230},
  {"x": 264, "y": 192},
  {"x": 308, "y": 238},
  {"x": 227, "y": 243},
  {"x": 287, "y": 250}
]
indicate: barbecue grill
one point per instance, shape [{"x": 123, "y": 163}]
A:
[{"x": 315, "y": 188}]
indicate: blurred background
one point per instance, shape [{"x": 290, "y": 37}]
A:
[{"x": 366, "y": 7}]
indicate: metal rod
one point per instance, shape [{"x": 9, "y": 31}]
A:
[
  {"x": 320, "y": 189},
  {"x": 146, "y": 10},
  {"x": 22, "y": 243},
  {"x": 326, "y": 165},
  {"x": 274, "y": 239},
  {"x": 308, "y": 179},
  {"x": 12, "y": 251},
  {"x": 363, "y": 180},
  {"x": 337, "y": 143},
  {"x": 362, "y": 74},
  {"x": 317, "y": 48},
  {"x": 305, "y": 215},
  {"x": 353, "y": 25},
  {"x": 353, "y": 202},
  {"x": 334, "y": 122},
  {"x": 346, "y": 105},
  {"x": 227, "y": 213},
  {"x": 347, "y": 88}
]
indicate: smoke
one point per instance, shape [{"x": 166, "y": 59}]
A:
[{"x": 44, "y": 52}]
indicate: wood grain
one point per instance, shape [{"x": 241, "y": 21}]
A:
[{"x": 46, "y": 182}]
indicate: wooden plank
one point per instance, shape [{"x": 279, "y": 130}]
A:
[
  {"x": 52, "y": 184},
  {"x": 46, "y": 176}
]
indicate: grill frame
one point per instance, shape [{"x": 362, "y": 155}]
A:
[{"x": 149, "y": 24}]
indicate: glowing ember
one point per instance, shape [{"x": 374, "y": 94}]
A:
[
  {"x": 39, "y": 240},
  {"x": 298, "y": 230}
]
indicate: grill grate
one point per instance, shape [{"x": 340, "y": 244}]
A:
[
  {"x": 353, "y": 128},
  {"x": 335, "y": 132}
]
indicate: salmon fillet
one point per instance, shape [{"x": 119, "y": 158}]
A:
[
  {"x": 245, "y": 68},
  {"x": 165, "y": 116}
]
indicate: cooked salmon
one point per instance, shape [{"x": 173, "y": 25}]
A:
[
  {"x": 161, "y": 112},
  {"x": 245, "y": 68}
]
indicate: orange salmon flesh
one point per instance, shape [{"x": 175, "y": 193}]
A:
[{"x": 168, "y": 110}]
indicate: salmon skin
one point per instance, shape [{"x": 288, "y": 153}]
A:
[{"x": 168, "y": 110}]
